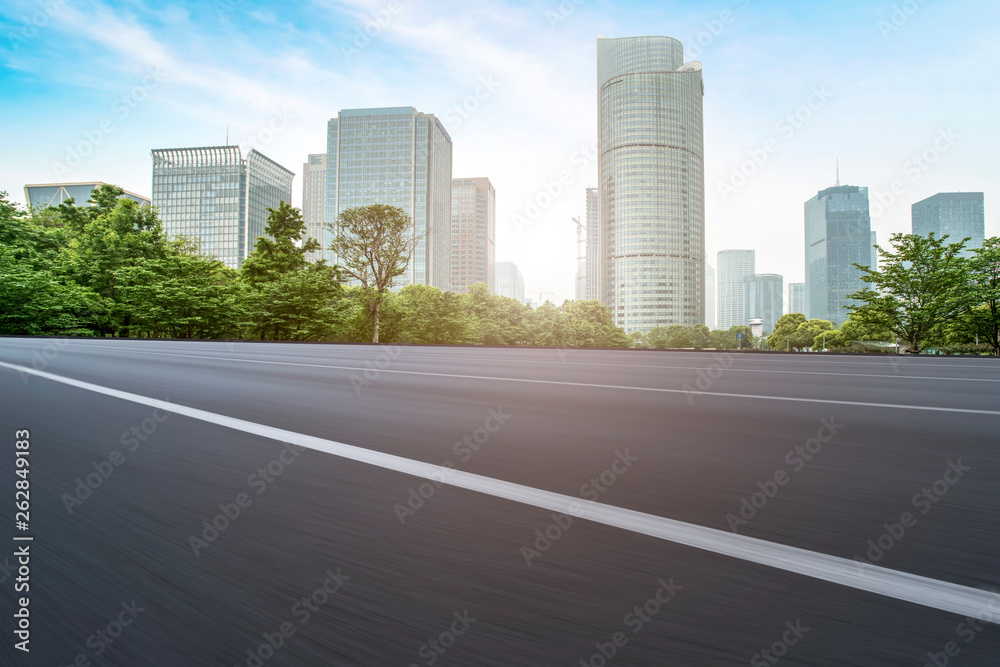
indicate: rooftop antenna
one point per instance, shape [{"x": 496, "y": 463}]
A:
[
  {"x": 227, "y": 135},
  {"x": 838, "y": 172}
]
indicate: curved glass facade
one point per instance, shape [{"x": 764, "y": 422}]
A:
[{"x": 652, "y": 192}]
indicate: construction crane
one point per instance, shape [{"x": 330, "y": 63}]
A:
[{"x": 540, "y": 293}]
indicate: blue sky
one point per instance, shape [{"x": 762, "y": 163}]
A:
[{"x": 889, "y": 82}]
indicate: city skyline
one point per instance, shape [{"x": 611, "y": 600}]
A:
[{"x": 181, "y": 76}]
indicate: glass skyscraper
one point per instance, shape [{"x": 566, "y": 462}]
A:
[
  {"x": 400, "y": 157},
  {"x": 837, "y": 235},
  {"x": 710, "y": 310},
  {"x": 52, "y": 194},
  {"x": 313, "y": 187},
  {"x": 652, "y": 182},
  {"x": 510, "y": 281},
  {"x": 213, "y": 194},
  {"x": 592, "y": 288},
  {"x": 473, "y": 233},
  {"x": 957, "y": 214},
  {"x": 796, "y": 298},
  {"x": 734, "y": 266},
  {"x": 763, "y": 296}
]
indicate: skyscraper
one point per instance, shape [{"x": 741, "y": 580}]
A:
[
  {"x": 510, "y": 282},
  {"x": 217, "y": 196},
  {"x": 52, "y": 194},
  {"x": 874, "y": 265},
  {"x": 796, "y": 298},
  {"x": 592, "y": 289},
  {"x": 710, "y": 309},
  {"x": 837, "y": 235},
  {"x": 400, "y": 157},
  {"x": 734, "y": 267},
  {"x": 473, "y": 233},
  {"x": 652, "y": 183},
  {"x": 763, "y": 294},
  {"x": 313, "y": 187},
  {"x": 957, "y": 214}
]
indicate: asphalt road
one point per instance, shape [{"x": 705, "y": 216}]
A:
[{"x": 361, "y": 564}]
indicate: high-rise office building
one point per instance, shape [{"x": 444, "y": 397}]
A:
[
  {"x": 592, "y": 288},
  {"x": 400, "y": 157},
  {"x": 796, "y": 297},
  {"x": 837, "y": 235},
  {"x": 710, "y": 310},
  {"x": 217, "y": 196},
  {"x": 652, "y": 183},
  {"x": 52, "y": 194},
  {"x": 763, "y": 296},
  {"x": 473, "y": 233},
  {"x": 957, "y": 214},
  {"x": 510, "y": 282},
  {"x": 874, "y": 265},
  {"x": 313, "y": 190},
  {"x": 733, "y": 267}
]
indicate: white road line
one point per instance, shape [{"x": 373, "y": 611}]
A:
[
  {"x": 934, "y": 593},
  {"x": 795, "y": 399}
]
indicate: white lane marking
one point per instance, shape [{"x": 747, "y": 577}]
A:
[
  {"x": 796, "y": 399},
  {"x": 943, "y": 595}
]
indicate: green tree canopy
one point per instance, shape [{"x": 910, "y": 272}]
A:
[
  {"x": 374, "y": 245},
  {"x": 921, "y": 283}
]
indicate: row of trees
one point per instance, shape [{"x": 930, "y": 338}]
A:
[{"x": 109, "y": 270}]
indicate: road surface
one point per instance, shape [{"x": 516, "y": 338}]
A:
[{"x": 242, "y": 504}]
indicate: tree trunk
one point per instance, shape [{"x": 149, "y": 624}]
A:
[{"x": 375, "y": 314}]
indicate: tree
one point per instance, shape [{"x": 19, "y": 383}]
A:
[
  {"x": 676, "y": 337},
  {"x": 184, "y": 295},
  {"x": 36, "y": 302},
  {"x": 429, "y": 315},
  {"x": 291, "y": 298},
  {"x": 101, "y": 255},
  {"x": 809, "y": 334},
  {"x": 982, "y": 318},
  {"x": 784, "y": 329},
  {"x": 374, "y": 244},
  {"x": 281, "y": 251},
  {"x": 698, "y": 336},
  {"x": 588, "y": 324},
  {"x": 854, "y": 330},
  {"x": 656, "y": 338},
  {"x": 499, "y": 320},
  {"x": 921, "y": 284}
]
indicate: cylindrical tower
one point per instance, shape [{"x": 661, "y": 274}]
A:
[{"x": 652, "y": 182}]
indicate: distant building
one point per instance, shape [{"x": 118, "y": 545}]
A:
[
  {"x": 734, "y": 266},
  {"x": 313, "y": 188},
  {"x": 874, "y": 265},
  {"x": 52, "y": 194},
  {"x": 473, "y": 233},
  {"x": 400, "y": 157},
  {"x": 592, "y": 289},
  {"x": 710, "y": 314},
  {"x": 957, "y": 214},
  {"x": 796, "y": 297},
  {"x": 837, "y": 235},
  {"x": 218, "y": 196},
  {"x": 652, "y": 182},
  {"x": 510, "y": 282},
  {"x": 763, "y": 294}
]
